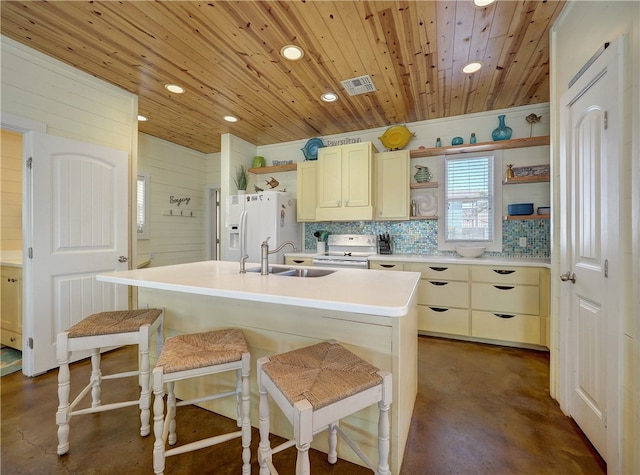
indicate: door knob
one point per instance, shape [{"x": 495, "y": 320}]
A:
[
  {"x": 122, "y": 259},
  {"x": 568, "y": 276}
]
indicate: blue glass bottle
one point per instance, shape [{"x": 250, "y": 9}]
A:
[{"x": 503, "y": 132}]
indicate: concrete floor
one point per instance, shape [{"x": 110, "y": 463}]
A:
[{"x": 481, "y": 409}]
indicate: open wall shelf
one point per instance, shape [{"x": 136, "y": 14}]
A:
[{"x": 481, "y": 147}]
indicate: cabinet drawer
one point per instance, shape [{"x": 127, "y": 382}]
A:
[
  {"x": 506, "y": 298},
  {"x": 443, "y": 320},
  {"x": 508, "y": 327},
  {"x": 386, "y": 265},
  {"x": 439, "y": 272},
  {"x": 506, "y": 275},
  {"x": 12, "y": 339},
  {"x": 443, "y": 294}
]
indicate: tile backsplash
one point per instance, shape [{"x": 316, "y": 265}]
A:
[{"x": 421, "y": 236}]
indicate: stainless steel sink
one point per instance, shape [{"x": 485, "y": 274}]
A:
[{"x": 294, "y": 271}]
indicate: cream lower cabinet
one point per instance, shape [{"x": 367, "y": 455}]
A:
[
  {"x": 510, "y": 304},
  {"x": 497, "y": 304},
  {"x": 11, "y": 307},
  {"x": 298, "y": 261},
  {"x": 443, "y": 295},
  {"x": 392, "y": 185},
  {"x": 345, "y": 183},
  {"x": 443, "y": 298},
  {"x": 306, "y": 187}
]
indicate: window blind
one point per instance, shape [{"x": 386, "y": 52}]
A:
[
  {"x": 140, "y": 209},
  {"x": 469, "y": 198}
]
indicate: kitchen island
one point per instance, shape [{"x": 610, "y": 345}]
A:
[{"x": 372, "y": 313}]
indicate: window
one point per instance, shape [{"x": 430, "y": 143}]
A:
[
  {"x": 142, "y": 208},
  {"x": 472, "y": 201}
]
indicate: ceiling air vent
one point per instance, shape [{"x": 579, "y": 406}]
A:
[{"x": 359, "y": 85}]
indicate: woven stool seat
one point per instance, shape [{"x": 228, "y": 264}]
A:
[
  {"x": 93, "y": 333},
  {"x": 200, "y": 355},
  {"x": 315, "y": 387},
  {"x": 106, "y": 323},
  {"x": 322, "y": 374},
  {"x": 198, "y": 350}
]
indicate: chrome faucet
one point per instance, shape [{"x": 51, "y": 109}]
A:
[
  {"x": 264, "y": 253},
  {"x": 243, "y": 260}
]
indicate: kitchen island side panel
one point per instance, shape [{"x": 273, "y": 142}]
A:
[{"x": 390, "y": 343}]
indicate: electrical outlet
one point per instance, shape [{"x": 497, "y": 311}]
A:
[
  {"x": 151, "y": 256},
  {"x": 523, "y": 242}
]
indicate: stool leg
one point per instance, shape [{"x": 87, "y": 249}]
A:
[
  {"x": 145, "y": 390},
  {"x": 383, "y": 439},
  {"x": 333, "y": 443},
  {"x": 96, "y": 377},
  {"x": 158, "y": 422},
  {"x": 264, "y": 449},
  {"x": 64, "y": 387},
  {"x": 246, "y": 421},
  {"x": 303, "y": 433},
  {"x": 171, "y": 412}
]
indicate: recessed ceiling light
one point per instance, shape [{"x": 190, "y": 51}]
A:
[
  {"x": 142, "y": 118},
  {"x": 230, "y": 118},
  {"x": 174, "y": 88},
  {"x": 292, "y": 52},
  {"x": 472, "y": 67},
  {"x": 483, "y": 3},
  {"x": 329, "y": 97}
]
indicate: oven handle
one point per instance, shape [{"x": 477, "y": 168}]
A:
[{"x": 338, "y": 263}]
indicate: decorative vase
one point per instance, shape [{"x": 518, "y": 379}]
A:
[
  {"x": 503, "y": 132},
  {"x": 473, "y": 138},
  {"x": 457, "y": 141},
  {"x": 423, "y": 175}
]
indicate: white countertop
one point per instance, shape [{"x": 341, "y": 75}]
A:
[
  {"x": 11, "y": 258},
  {"x": 371, "y": 292},
  {"x": 446, "y": 259},
  {"x": 483, "y": 261}
]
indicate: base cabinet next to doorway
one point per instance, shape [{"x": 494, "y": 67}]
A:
[
  {"x": 495, "y": 304},
  {"x": 11, "y": 307}
]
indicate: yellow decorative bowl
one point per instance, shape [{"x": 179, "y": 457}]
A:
[{"x": 396, "y": 137}]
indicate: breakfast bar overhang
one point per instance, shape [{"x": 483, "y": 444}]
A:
[{"x": 372, "y": 313}]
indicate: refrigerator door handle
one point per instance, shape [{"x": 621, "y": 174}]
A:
[{"x": 243, "y": 232}]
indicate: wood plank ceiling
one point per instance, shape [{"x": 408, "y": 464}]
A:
[{"x": 227, "y": 56}]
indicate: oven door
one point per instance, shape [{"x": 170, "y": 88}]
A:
[{"x": 345, "y": 263}]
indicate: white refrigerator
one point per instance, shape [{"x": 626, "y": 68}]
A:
[{"x": 252, "y": 218}]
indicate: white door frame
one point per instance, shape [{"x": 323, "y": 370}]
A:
[
  {"x": 24, "y": 126},
  {"x": 209, "y": 221},
  {"x": 611, "y": 58}
]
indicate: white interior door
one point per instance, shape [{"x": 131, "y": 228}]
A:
[
  {"x": 77, "y": 201},
  {"x": 590, "y": 250}
]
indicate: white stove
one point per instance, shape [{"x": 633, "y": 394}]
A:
[{"x": 348, "y": 250}]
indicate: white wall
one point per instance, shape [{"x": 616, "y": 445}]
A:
[
  {"x": 572, "y": 47},
  {"x": 70, "y": 103},
  {"x": 426, "y": 132},
  {"x": 176, "y": 173}
]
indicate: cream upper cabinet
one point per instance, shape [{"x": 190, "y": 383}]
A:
[
  {"x": 11, "y": 307},
  {"x": 345, "y": 191},
  {"x": 392, "y": 185},
  {"x": 307, "y": 185}
]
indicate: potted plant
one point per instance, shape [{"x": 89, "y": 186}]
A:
[{"x": 241, "y": 178}]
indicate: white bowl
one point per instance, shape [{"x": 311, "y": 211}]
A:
[{"x": 470, "y": 251}]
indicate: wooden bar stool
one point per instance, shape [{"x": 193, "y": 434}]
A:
[
  {"x": 103, "y": 330},
  {"x": 191, "y": 356},
  {"x": 315, "y": 387}
]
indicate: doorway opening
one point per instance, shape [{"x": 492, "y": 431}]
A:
[{"x": 213, "y": 223}]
